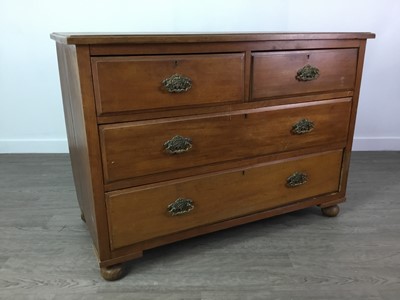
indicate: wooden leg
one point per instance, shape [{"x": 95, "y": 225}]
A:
[
  {"x": 114, "y": 272},
  {"x": 330, "y": 211},
  {"x": 83, "y": 217}
]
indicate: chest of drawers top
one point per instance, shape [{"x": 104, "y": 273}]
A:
[{"x": 97, "y": 38}]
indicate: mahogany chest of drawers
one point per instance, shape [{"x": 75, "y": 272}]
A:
[{"x": 173, "y": 136}]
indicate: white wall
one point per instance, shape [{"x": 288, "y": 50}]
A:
[{"x": 31, "y": 117}]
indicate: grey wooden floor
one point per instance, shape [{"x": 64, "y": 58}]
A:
[{"x": 45, "y": 251}]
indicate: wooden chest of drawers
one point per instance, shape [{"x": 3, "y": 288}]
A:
[{"x": 173, "y": 136}]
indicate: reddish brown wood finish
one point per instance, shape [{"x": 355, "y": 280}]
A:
[
  {"x": 135, "y": 38},
  {"x": 193, "y": 111},
  {"x": 126, "y": 213},
  {"x": 136, "y": 149},
  {"x": 218, "y": 47},
  {"x": 347, "y": 152},
  {"x": 114, "y": 272},
  {"x": 140, "y": 214},
  {"x": 83, "y": 141},
  {"x": 135, "y": 83},
  {"x": 274, "y": 73},
  {"x": 330, "y": 211},
  {"x": 129, "y": 252}
]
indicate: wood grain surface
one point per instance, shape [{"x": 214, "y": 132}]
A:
[
  {"x": 274, "y": 73},
  {"x": 134, "y": 38},
  {"x": 140, "y": 214},
  {"x": 136, "y": 149},
  {"x": 99, "y": 86},
  {"x": 135, "y": 83},
  {"x": 83, "y": 140}
]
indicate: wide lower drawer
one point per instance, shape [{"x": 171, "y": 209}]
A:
[
  {"x": 132, "y": 150},
  {"x": 284, "y": 73},
  {"x": 131, "y": 83},
  {"x": 143, "y": 213}
]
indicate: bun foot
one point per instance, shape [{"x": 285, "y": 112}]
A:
[
  {"x": 113, "y": 273},
  {"x": 330, "y": 211},
  {"x": 83, "y": 217}
]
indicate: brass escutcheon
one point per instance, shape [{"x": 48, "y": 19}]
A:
[
  {"x": 177, "y": 83},
  {"x": 303, "y": 126},
  {"x": 296, "y": 179},
  {"x": 307, "y": 73},
  {"x": 180, "y": 206},
  {"x": 178, "y": 144}
]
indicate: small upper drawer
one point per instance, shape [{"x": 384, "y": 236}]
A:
[
  {"x": 153, "y": 82},
  {"x": 298, "y": 72}
]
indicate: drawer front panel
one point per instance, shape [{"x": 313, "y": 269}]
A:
[
  {"x": 283, "y": 73},
  {"x": 144, "y": 213},
  {"x": 136, "y": 149},
  {"x": 154, "y": 82}
]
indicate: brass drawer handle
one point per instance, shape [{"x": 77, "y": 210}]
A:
[
  {"x": 180, "y": 206},
  {"x": 177, "y": 83},
  {"x": 178, "y": 144},
  {"x": 296, "y": 179},
  {"x": 303, "y": 126},
  {"x": 307, "y": 73}
]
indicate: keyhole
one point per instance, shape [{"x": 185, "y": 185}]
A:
[
  {"x": 176, "y": 63},
  {"x": 308, "y": 56}
]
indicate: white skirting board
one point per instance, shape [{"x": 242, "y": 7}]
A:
[
  {"x": 33, "y": 146},
  {"x": 376, "y": 144},
  {"x": 61, "y": 145}
]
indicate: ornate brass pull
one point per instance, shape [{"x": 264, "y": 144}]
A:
[
  {"x": 302, "y": 126},
  {"x": 180, "y": 206},
  {"x": 177, "y": 83},
  {"x": 307, "y": 73},
  {"x": 296, "y": 179},
  {"x": 178, "y": 144}
]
